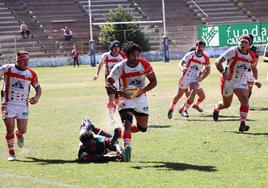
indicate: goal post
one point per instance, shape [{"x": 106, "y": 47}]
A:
[{"x": 92, "y": 44}]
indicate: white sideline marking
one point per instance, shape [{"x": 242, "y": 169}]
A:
[{"x": 37, "y": 180}]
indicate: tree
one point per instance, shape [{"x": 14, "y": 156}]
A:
[{"x": 122, "y": 32}]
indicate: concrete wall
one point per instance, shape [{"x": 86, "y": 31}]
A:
[{"x": 85, "y": 59}]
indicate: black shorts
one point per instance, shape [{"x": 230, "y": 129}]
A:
[{"x": 127, "y": 114}]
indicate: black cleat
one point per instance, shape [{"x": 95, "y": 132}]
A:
[
  {"x": 115, "y": 136},
  {"x": 170, "y": 112},
  {"x": 215, "y": 115},
  {"x": 243, "y": 127}
]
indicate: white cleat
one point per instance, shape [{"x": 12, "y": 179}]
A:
[
  {"x": 20, "y": 141},
  {"x": 185, "y": 114},
  {"x": 11, "y": 158}
]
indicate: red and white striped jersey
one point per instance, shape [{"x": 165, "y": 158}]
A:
[
  {"x": 238, "y": 63},
  {"x": 110, "y": 61},
  {"x": 131, "y": 75},
  {"x": 194, "y": 64},
  {"x": 17, "y": 84}
]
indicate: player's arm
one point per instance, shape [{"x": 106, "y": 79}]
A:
[
  {"x": 37, "y": 88},
  {"x": 152, "y": 83},
  {"x": 205, "y": 73},
  {"x": 99, "y": 68},
  {"x": 38, "y": 93},
  {"x": 255, "y": 75},
  {"x": 219, "y": 66}
]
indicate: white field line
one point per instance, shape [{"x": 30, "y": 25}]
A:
[{"x": 37, "y": 180}]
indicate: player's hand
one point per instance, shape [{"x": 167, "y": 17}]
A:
[
  {"x": 95, "y": 77},
  {"x": 33, "y": 100},
  {"x": 258, "y": 84},
  {"x": 124, "y": 94}
]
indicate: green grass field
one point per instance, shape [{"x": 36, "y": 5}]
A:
[{"x": 195, "y": 152}]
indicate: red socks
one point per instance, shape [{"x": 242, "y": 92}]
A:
[
  {"x": 10, "y": 143},
  {"x": 188, "y": 105},
  {"x": 126, "y": 136},
  {"x": 244, "y": 113}
]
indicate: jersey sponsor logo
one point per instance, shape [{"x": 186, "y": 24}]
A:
[
  {"x": 18, "y": 85},
  {"x": 135, "y": 82},
  {"x": 195, "y": 67}
]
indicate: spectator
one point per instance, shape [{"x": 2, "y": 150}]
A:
[
  {"x": 75, "y": 56},
  {"x": 68, "y": 34},
  {"x": 25, "y": 33}
]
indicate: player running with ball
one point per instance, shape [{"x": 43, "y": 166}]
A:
[
  {"x": 18, "y": 79},
  {"x": 234, "y": 78},
  {"x": 132, "y": 73}
]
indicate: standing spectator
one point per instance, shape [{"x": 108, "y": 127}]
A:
[
  {"x": 75, "y": 56},
  {"x": 68, "y": 34},
  {"x": 25, "y": 33}
]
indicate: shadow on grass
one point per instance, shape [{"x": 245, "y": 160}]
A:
[
  {"x": 220, "y": 116},
  {"x": 48, "y": 161},
  {"x": 175, "y": 166},
  {"x": 159, "y": 126},
  {"x": 258, "y": 109},
  {"x": 245, "y": 133}
]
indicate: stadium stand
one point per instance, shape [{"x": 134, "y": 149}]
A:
[
  {"x": 219, "y": 11},
  {"x": 181, "y": 23},
  {"x": 10, "y": 37},
  {"x": 45, "y": 16},
  {"x": 255, "y": 8}
]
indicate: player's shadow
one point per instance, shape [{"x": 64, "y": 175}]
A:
[
  {"x": 48, "y": 161},
  {"x": 160, "y": 165},
  {"x": 258, "y": 109},
  {"x": 225, "y": 118},
  {"x": 159, "y": 126},
  {"x": 245, "y": 133}
]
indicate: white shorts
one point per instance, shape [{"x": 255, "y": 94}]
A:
[
  {"x": 250, "y": 76},
  {"x": 229, "y": 86},
  {"x": 184, "y": 83},
  {"x": 16, "y": 111},
  {"x": 139, "y": 105}
]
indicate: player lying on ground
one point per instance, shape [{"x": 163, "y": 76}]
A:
[
  {"x": 18, "y": 78},
  {"x": 195, "y": 67},
  {"x": 109, "y": 60},
  {"x": 95, "y": 144},
  {"x": 234, "y": 80},
  {"x": 132, "y": 73}
]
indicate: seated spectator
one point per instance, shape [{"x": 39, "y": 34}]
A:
[
  {"x": 25, "y": 33},
  {"x": 68, "y": 34}
]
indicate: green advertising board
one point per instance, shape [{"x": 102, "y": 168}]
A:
[{"x": 228, "y": 35}]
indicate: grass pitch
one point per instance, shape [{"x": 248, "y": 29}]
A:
[{"x": 194, "y": 152}]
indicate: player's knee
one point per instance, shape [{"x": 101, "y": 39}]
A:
[{"x": 142, "y": 129}]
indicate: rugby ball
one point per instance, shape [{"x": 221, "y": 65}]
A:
[{"x": 132, "y": 91}]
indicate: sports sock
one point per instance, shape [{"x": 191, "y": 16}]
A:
[
  {"x": 243, "y": 113},
  {"x": 10, "y": 143}
]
